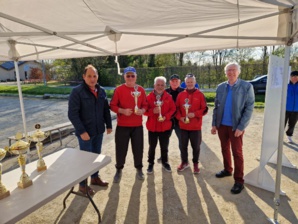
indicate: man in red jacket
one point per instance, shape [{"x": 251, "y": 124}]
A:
[
  {"x": 191, "y": 107},
  {"x": 161, "y": 108},
  {"x": 129, "y": 102}
]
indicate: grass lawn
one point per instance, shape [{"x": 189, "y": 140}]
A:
[{"x": 60, "y": 88}]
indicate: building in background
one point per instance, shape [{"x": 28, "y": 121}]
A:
[{"x": 8, "y": 73}]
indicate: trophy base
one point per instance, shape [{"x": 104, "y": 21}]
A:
[
  {"x": 4, "y": 195},
  {"x": 25, "y": 184},
  {"x": 42, "y": 168},
  {"x": 161, "y": 119}
]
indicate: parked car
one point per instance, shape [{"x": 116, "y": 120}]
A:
[{"x": 259, "y": 84}]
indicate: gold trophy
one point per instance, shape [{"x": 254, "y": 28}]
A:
[
  {"x": 38, "y": 136},
  {"x": 159, "y": 103},
  {"x": 186, "y": 107},
  {"x": 136, "y": 94},
  {"x": 19, "y": 148},
  {"x": 3, "y": 191}
]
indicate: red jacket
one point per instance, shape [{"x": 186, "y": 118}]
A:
[
  {"x": 168, "y": 108},
  {"x": 198, "y": 106},
  {"x": 123, "y": 98}
]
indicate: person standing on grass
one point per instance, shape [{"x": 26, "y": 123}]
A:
[
  {"x": 161, "y": 108},
  {"x": 129, "y": 103},
  {"x": 233, "y": 107},
  {"x": 292, "y": 105},
  {"x": 191, "y": 107},
  {"x": 89, "y": 112}
]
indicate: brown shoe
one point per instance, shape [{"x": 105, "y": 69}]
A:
[
  {"x": 99, "y": 182},
  {"x": 84, "y": 189}
]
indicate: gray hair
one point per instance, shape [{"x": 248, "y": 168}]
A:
[
  {"x": 190, "y": 76},
  {"x": 160, "y": 78},
  {"x": 233, "y": 64}
]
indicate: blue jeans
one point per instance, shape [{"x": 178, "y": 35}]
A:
[{"x": 92, "y": 145}]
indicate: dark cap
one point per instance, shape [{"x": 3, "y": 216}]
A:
[
  {"x": 175, "y": 76},
  {"x": 294, "y": 73}
]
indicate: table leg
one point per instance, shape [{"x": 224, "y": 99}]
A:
[{"x": 64, "y": 200}]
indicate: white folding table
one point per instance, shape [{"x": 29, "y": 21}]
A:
[{"x": 65, "y": 169}]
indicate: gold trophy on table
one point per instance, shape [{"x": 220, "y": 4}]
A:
[
  {"x": 159, "y": 103},
  {"x": 38, "y": 136},
  {"x": 186, "y": 107},
  {"x": 3, "y": 191},
  {"x": 136, "y": 94},
  {"x": 19, "y": 148}
]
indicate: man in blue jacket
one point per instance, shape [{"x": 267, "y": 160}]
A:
[
  {"x": 233, "y": 107},
  {"x": 292, "y": 105},
  {"x": 89, "y": 112}
]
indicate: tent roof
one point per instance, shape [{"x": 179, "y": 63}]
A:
[{"x": 74, "y": 28}]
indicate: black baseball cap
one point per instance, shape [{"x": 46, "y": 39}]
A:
[
  {"x": 294, "y": 73},
  {"x": 175, "y": 76}
]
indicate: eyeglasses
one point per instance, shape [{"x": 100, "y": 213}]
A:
[
  {"x": 189, "y": 75},
  {"x": 130, "y": 76}
]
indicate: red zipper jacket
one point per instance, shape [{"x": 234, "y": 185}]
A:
[
  {"x": 168, "y": 108},
  {"x": 198, "y": 106}
]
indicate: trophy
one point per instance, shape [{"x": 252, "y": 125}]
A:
[
  {"x": 159, "y": 103},
  {"x": 136, "y": 94},
  {"x": 3, "y": 192},
  {"x": 38, "y": 136},
  {"x": 186, "y": 107},
  {"x": 19, "y": 148}
]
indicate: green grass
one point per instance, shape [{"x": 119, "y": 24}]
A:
[{"x": 60, "y": 88}]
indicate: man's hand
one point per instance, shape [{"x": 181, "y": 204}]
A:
[
  {"x": 126, "y": 112},
  {"x": 238, "y": 133},
  {"x": 156, "y": 110},
  {"x": 213, "y": 130},
  {"x": 191, "y": 115},
  {"x": 140, "y": 112},
  {"x": 109, "y": 130},
  {"x": 85, "y": 136}
]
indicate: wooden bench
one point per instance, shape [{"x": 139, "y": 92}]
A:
[{"x": 57, "y": 127}]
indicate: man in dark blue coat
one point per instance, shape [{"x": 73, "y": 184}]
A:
[
  {"x": 292, "y": 105},
  {"x": 89, "y": 112}
]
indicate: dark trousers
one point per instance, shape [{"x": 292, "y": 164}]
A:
[
  {"x": 122, "y": 137},
  {"x": 163, "y": 138},
  {"x": 195, "y": 138},
  {"x": 92, "y": 145},
  {"x": 178, "y": 133},
  {"x": 291, "y": 119},
  {"x": 227, "y": 139}
]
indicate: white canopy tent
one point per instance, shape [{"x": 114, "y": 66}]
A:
[{"x": 34, "y": 30}]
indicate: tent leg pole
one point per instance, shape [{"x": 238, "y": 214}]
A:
[{"x": 21, "y": 103}]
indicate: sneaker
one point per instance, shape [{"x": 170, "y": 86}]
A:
[
  {"x": 167, "y": 167},
  {"x": 159, "y": 160},
  {"x": 182, "y": 166},
  {"x": 290, "y": 140},
  {"x": 150, "y": 169},
  {"x": 196, "y": 169},
  {"x": 117, "y": 176},
  {"x": 140, "y": 174}
]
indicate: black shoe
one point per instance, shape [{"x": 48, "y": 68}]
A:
[
  {"x": 222, "y": 174},
  {"x": 167, "y": 167},
  {"x": 237, "y": 188},
  {"x": 140, "y": 174},
  {"x": 117, "y": 176},
  {"x": 150, "y": 168}
]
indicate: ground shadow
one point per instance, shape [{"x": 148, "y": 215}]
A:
[
  {"x": 245, "y": 204},
  {"x": 152, "y": 214},
  {"x": 109, "y": 214},
  {"x": 133, "y": 210}
]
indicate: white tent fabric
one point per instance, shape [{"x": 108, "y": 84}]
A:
[{"x": 75, "y": 28}]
